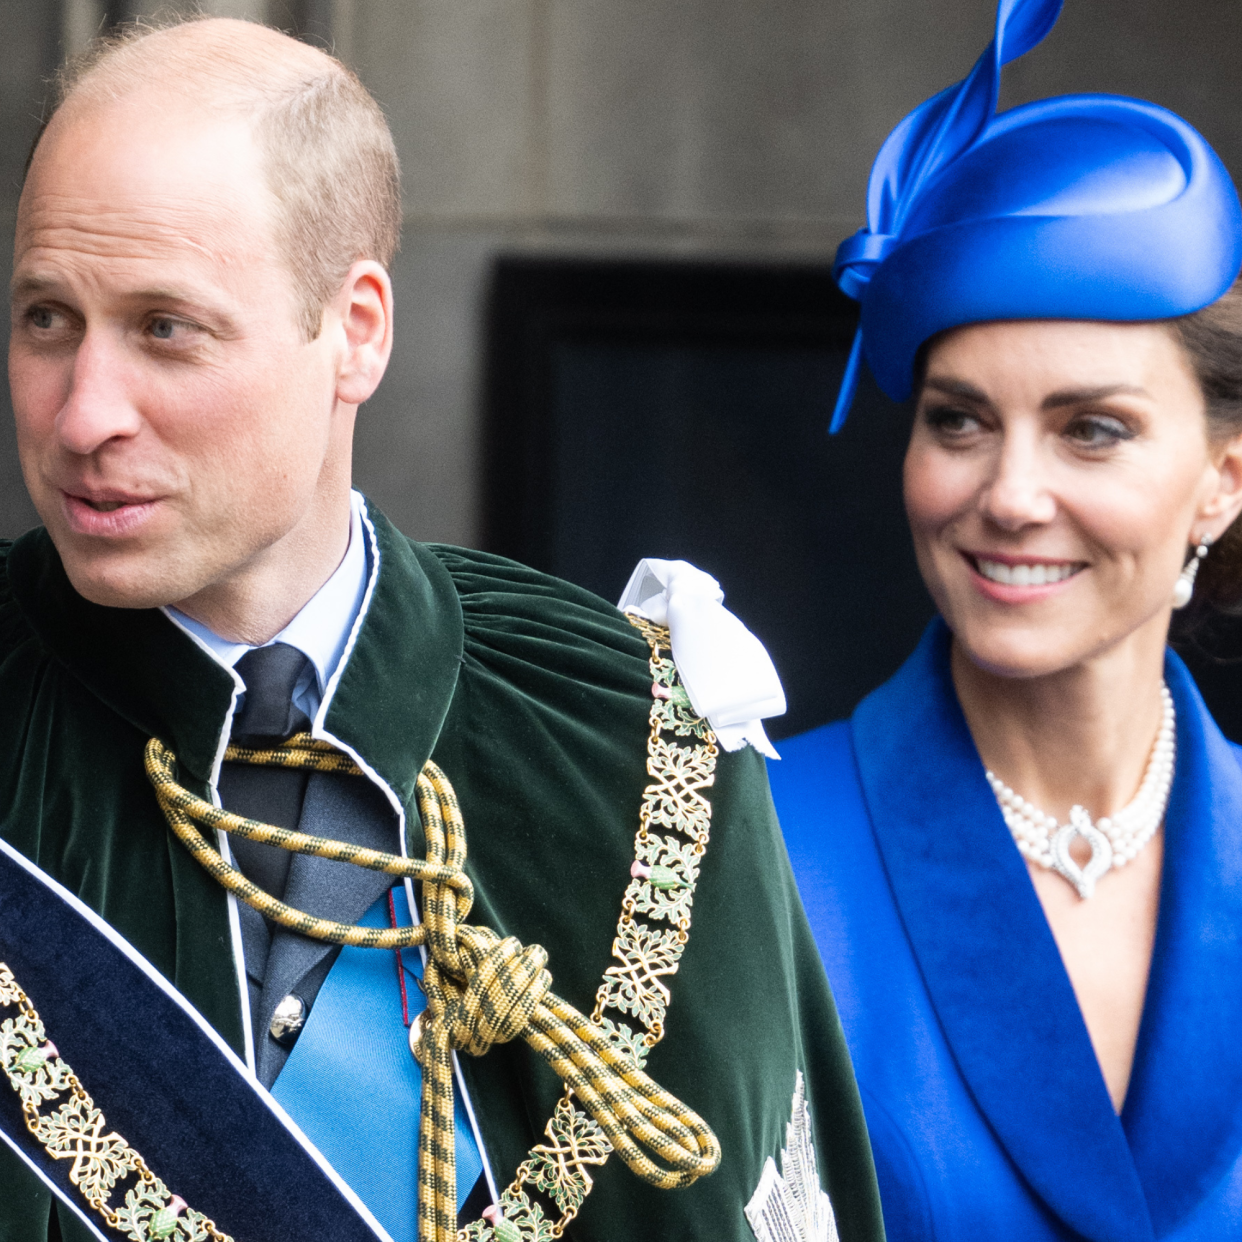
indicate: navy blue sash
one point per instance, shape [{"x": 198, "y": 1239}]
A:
[{"x": 163, "y": 1078}]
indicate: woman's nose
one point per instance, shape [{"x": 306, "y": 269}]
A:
[{"x": 1018, "y": 492}]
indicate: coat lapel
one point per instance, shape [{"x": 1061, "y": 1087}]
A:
[
  {"x": 388, "y": 705},
  {"x": 398, "y": 681},
  {"x": 986, "y": 953},
  {"x": 1181, "y": 1113}
]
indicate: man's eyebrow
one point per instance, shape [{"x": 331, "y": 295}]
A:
[
  {"x": 1075, "y": 396},
  {"x": 32, "y": 284}
]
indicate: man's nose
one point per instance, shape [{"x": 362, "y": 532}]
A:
[
  {"x": 99, "y": 404},
  {"x": 1019, "y": 494}
]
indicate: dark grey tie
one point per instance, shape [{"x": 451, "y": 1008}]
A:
[
  {"x": 266, "y": 718},
  {"x": 283, "y": 968},
  {"x": 267, "y": 712},
  {"x": 273, "y": 795}
]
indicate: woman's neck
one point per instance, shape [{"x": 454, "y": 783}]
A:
[{"x": 1081, "y": 736}]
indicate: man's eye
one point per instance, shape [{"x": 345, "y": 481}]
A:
[
  {"x": 40, "y": 317},
  {"x": 163, "y": 329}
]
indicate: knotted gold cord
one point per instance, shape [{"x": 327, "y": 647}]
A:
[
  {"x": 187, "y": 815},
  {"x": 481, "y": 990}
]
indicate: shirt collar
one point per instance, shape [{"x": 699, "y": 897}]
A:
[{"x": 322, "y": 627}]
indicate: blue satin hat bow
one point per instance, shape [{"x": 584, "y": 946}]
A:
[{"x": 1076, "y": 207}]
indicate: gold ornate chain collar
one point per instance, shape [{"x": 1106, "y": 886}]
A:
[
  {"x": 652, "y": 933},
  {"x": 75, "y": 1130}
]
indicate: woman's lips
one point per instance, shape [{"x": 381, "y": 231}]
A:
[
  {"x": 1025, "y": 574},
  {"x": 1015, "y": 581},
  {"x": 107, "y": 518}
]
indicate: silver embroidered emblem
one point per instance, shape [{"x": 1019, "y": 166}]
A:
[{"x": 791, "y": 1206}]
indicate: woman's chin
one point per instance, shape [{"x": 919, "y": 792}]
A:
[
  {"x": 1019, "y": 652},
  {"x": 1052, "y": 640}
]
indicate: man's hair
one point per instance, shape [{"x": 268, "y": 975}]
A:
[{"x": 327, "y": 151}]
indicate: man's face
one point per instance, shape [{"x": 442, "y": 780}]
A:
[{"x": 173, "y": 423}]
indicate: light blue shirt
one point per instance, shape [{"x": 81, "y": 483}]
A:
[{"x": 320, "y": 630}]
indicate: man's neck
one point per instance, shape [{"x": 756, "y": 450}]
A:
[
  {"x": 258, "y": 600},
  {"x": 321, "y": 630}
]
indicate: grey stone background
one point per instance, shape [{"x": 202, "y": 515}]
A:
[{"x": 709, "y": 128}]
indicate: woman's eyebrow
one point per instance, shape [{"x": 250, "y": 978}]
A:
[
  {"x": 957, "y": 388},
  {"x": 1073, "y": 396}
]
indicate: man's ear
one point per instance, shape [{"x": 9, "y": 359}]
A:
[
  {"x": 362, "y": 309},
  {"x": 1225, "y": 503}
]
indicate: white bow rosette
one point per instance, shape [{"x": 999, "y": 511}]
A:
[{"x": 726, "y": 671}]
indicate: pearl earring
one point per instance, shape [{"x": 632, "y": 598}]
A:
[{"x": 1184, "y": 588}]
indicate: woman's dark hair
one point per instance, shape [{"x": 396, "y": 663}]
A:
[{"x": 1212, "y": 339}]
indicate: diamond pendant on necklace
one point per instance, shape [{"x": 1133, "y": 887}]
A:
[
  {"x": 1114, "y": 841},
  {"x": 1097, "y": 866}
]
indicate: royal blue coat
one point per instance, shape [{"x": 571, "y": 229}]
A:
[{"x": 988, "y": 1113}]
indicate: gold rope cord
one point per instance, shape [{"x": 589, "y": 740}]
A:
[
  {"x": 75, "y": 1130},
  {"x": 188, "y": 815},
  {"x": 482, "y": 990}
]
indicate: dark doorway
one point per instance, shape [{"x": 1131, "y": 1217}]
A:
[{"x": 680, "y": 410}]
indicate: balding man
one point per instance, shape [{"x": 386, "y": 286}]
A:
[{"x": 211, "y": 618}]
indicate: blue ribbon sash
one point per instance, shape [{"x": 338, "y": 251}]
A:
[{"x": 162, "y": 1077}]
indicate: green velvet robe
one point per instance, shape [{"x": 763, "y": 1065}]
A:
[{"x": 533, "y": 697}]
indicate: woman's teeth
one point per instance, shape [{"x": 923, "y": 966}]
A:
[{"x": 1025, "y": 575}]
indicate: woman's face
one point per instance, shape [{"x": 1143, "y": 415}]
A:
[{"x": 1056, "y": 474}]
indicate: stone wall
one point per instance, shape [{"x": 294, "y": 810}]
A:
[{"x": 730, "y": 128}]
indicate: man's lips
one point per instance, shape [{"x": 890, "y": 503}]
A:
[{"x": 107, "y": 513}]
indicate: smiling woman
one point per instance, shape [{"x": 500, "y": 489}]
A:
[{"x": 1021, "y": 856}]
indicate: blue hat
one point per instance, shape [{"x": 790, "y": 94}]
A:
[{"x": 1077, "y": 207}]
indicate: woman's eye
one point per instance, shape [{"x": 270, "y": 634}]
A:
[
  {"x": 1098, "y": 431},
  {"x": 950, "y": 421}
]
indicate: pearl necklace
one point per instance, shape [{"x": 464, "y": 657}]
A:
[{"x": 1113, "y": 842}]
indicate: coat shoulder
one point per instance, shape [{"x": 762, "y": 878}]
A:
[{"x": 515, "y": 616}]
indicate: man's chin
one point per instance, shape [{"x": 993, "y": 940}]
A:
[{"x": 123, "y": 581}]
